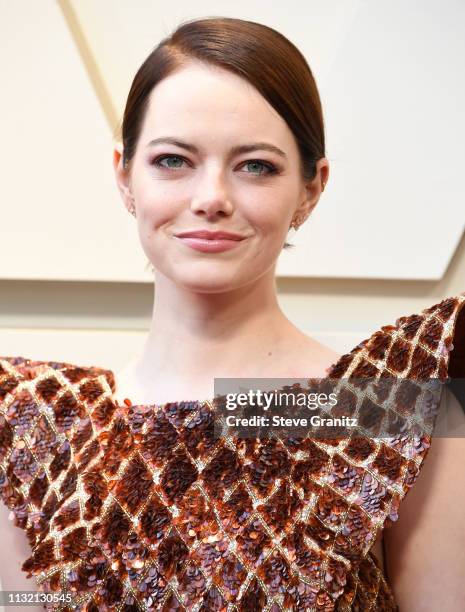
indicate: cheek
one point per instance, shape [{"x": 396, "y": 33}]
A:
[
  {"x": 157, "y": 202},
  {"x": 156, "y": 217},
  {"x": 152, "y": 216},
  {"x": 157, "y": 211},
  {"x": 270, "y": 217}
]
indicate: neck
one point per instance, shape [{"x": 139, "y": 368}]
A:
[{"x": 199, "y": 335}]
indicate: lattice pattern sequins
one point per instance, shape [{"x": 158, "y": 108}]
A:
[{"x": 139, "y": 507}]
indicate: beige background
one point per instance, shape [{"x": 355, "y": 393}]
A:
[{"x": 389, "y": 77}]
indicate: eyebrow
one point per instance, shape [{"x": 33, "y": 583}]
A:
[{"x": 246, "y": 148}]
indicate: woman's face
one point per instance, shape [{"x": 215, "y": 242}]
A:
[{"x": 205, "y": 181}]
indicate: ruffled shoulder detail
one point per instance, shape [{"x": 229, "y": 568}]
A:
[
  {"x": 30, "y": 369},
  {"x": 415, "y": 346},
  {"x": 50, "y": 413}
]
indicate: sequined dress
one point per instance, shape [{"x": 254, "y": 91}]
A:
[{"x": 140, "y": 508}]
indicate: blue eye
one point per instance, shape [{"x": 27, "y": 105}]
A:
[
  {"x": 157, "y": 162},
  {"x": 269, "y": 167}
]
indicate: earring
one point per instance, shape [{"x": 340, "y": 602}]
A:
[
  {"x": 297, "y": 222},
  {"x": 132, "y": 209}
]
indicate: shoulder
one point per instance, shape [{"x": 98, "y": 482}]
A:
[
  {"x": 46, "y": 376},
  {"x": 52, "y": 421},
  {"x": 428, "y": 539},
  {"x": 430, "y": 342}
]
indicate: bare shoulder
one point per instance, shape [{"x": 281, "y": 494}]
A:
[{"x": 428, "y": 540}]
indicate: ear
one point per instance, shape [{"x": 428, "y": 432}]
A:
[
  {"x": 312, "y": 191},
  {"x": 123, "y": 177}
]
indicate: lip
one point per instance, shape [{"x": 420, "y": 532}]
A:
[
  {"x": 209, "y": 235},
  {"x": 210, "y": 246}
]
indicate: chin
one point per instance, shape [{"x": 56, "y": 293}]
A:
[
  {"x": 207, "y": 287},
  {"x": 210, "y": 282}
]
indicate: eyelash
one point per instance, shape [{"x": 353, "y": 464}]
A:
[{"x": 271, "y": 169}]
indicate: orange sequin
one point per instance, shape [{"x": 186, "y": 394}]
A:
[{"x": 141, "y": 508}]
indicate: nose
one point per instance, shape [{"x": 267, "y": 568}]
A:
[{"x": 211, "y": 198}]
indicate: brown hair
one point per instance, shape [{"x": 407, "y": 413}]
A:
[{"x": 253, "y": 51}]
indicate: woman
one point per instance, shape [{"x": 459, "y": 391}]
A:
[{"x": 223, "y": 132}]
